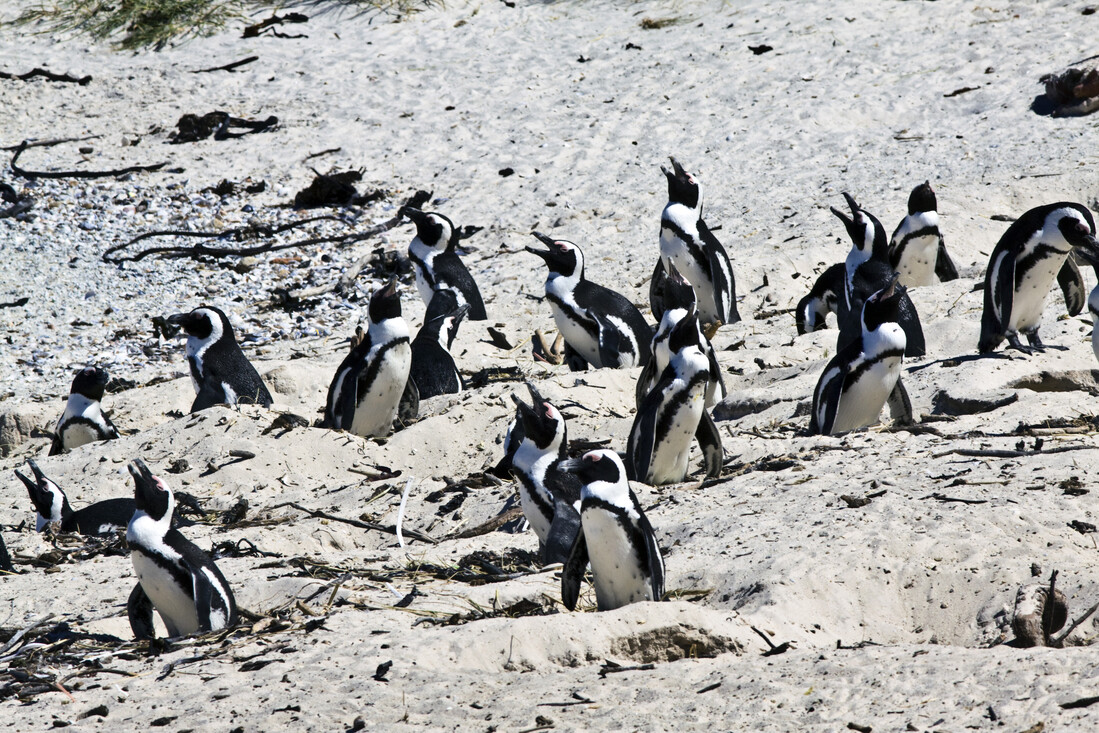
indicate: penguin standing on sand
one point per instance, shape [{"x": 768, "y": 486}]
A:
[
  {"x": 1032, "y": 251},
  {"x": 687, "y": 242},
  {"x": 220, "y": 371},
  {"x": 174, "y": 576},
  {"x": 601, "y": 327},
  {"x": 858, "y": 380},
  {"x": 549, "y": 495},
  {"x": 1092, "y": 258},
  {"x": 867, "y": 271},
  {"x": 673, "y": 412},
  {"x": 372, "y": 380},
  {"x": 824, "y": 298},
  {"x": 433, "y": 369},
  {"x": 916, "y": 249},
  {"x": 616, "y": 538},
  {"x": 51, "y": 505},
  {"x": 435, "y": 260},
  {"x": 83, "y": 420}
]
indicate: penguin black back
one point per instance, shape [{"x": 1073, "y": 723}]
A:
[
  {"x": 220, "y": 371},
  {"x": 433, "y": 368},
  {"x": 52, "y": 505}
]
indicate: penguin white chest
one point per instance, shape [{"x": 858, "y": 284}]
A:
[
  {"x": 381, "y": 389},
  {"x": 672, "y": 449},
  {"x": 917, "y": 265},
  {"x": 176, "y": 607},
  {"x": 77, "y": 434},
  {"x": 537, "y": 503},
  {"x": 870, "y": 379},
  {"x": 616, "y": 569},
  {"x": 1031, "y": 290},
  {"x": 571, "y": 320},
  {"x": 422, "y": 256}
]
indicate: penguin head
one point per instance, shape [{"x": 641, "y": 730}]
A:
[
  {"x": 543, "y": 424},
  {"x": 686, "y": 332},
  {"x": 90, "y": 382},
  {"x": 883, "y": 306},
  {"x": 385, "y": 303},
  {"x": 682, "y": 186},
  {"x": 436, "y": 231},
  {"x": 1078, "y": 228},
  {"x": 678, "y": 293},
  {"x": 563, "y": 258},
  {"x": 603, "y": 475},
  {"x": 205, "y": 323},
  {"x": 866, "y": 232},
  {"x": 922, "y": 199},
  {"x": 151, "y": 495},
  {"x": 49, "y": 500},
  {"x": 444, "y": 315}
]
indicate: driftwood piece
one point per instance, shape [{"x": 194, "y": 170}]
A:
[
  {"x": 31, "y": 175},
  {"x": 268, "y": 26},
  {"x": 48, "y": 75},
  {"x": 357, "y": 523},
  {"x": 228, "y": 67},
  {"x": 49, "y": 143}
]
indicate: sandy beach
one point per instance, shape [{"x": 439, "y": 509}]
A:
[{"x": 863, "y": 582}]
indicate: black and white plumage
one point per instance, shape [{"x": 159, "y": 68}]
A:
[
  {"x": 858, "y": 380},
  {"x": 616, "y": 538},
  {"x": 52, "y": 505},
  {"x": 435, "y": 261},
  {"x": 600, "y": 327},
  {"x": 917, "y": 250},
  {"x": 174, "y": 576},
  {"x": 433, "y": 368},
  {"x": 549, "y": 495},
  {"x": 372, "y": 380},
  {"x": 824, "y": 298},
  {"x": 83, "y": 420},
  {"x": 674, "y": 412},
  {"x": 867, "y": 271},
  {"x": 688, "y": 243},
  {"x": 220, "y": 372},
  {"x": 1092, "y": 258},
  {"x": 1030, "y": 254},
  {"x": 5, "y": 558}
]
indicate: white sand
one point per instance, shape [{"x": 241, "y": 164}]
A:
[{"x": 850, "y": 99}]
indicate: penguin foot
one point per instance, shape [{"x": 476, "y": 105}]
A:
[{"x": 1013, "y": 342}]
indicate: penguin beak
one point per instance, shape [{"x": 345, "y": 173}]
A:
[
  {"x": 535, "y": 395},
  {"x": 31, "y": 485},
  {"x": 141, "y": 473},
  {"x": 414, "y": 215},
  {"x": 851, "y": 204},
  {"x": 891, "y": 288},
  {"x": 390, "y": 289},
  {"x": 549, "y": 242},
  {"x": 37, "y": 471}
]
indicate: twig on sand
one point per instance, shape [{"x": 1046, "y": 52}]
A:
[
  {"x": 31, "y": 175},
  {"x": 947, "y": 499},
  {"x": 983, "y": 453},
  {"x": 356, "y": 523},
  {"x": 1059, "y": 640},
  {"x": 228, "y": 67},
  {"x": 48, "y": 75},
  {"x": 489, "y": 526}
]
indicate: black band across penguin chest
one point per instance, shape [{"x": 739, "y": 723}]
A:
[
  {"x": 1026, "y": 263},
  {"x": 368, "y": 378},
  {"x": 868, "y": 364},
  {"x": 174, "y": 568},
  {"x": 588, "y": 324},
  {"x": 629, "y": 526},
  {"x": 544, "y": 507},
  {"x": 677, "y": 401},
  {"x": 694, "y": 249}
]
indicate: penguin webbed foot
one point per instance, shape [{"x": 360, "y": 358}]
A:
[
  {"x": 1036, "y": 342},
  {"x": 1013, "y": 342}
]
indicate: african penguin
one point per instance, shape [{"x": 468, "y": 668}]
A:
[
  {"x": 1092, "y": 258},
  {"x": 916, "y": 249},
  {"x": 549, "y": 495},
  {"x": 601, "y": 327},
  {"x": 673, "y": 412},
  {"x": 51, "y": 505},
  {"x": 435, "y": 260},
  {"x": 174, "y": 576},
  {"x": 220, "y": 372},
  {"x": 616, "y": 537},
  {"x": 372, "y": 380},
  {"x": 433, "y": 369},
  {"x": 83, "y": 420},
  {"x": 823, "y": 298},
  {"x": 867, "y": 270},
  {"x": 858, "y": 380},
  {"x": 1021, "y": 269},
  {"x": 687, "y": 242}
]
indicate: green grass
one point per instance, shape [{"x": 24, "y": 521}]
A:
[{"x": 135, "y": 24}]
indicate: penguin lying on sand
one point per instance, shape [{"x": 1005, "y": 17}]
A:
[
  {"x": 549, "y": 495},
  {"x": 857, "y": 381},
  {"x": 174, "y": 576},
  {"x": 1021, "y": 269},
  {"x": 674, "y": 412},
  {"x": 688, "y": 243},
  {"x": 220, "y": 371},
  {"x": 601, "y": 327},
  {"x": 83, "y": 420},
  {"x": 51, "y": 505},
  {"x": 616, "y": 537},
  {"x": 435, "y": 260},
  {"x": 916, "y": 249}
]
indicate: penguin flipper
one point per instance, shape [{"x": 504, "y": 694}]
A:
[
  {"x": 573, "y": 572},
  {"x": 574, "y": 360},
  {"x": 140, "y": 611},
  {"x": 610, "y": 342},
  {"x": 409, "y": 406},
  {"x": 642, "y": 441},
  {"x": 709, "y": 440},
  {"x": 653, "y": 557},
  {"x": 1072, "y": 286},
  {"x": 562, "y": 533},
  {"x": 5, "y": 558},
  {"x": 56, "y": 447},
  {"x": 999, "y": 297},
  {"x": 656, "y": 289},
  {"x": 721, "y": 275},
  {"x": 944, "y": 266},
  {"x": 900, "y": 405},
  {"x": 645, "y": 382},
  {"x": 715, "y": 376},
  {"x": 208, "y": 396},
  {"x": 826, "y": 397},
  {"x": 204, "y": 598}
]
